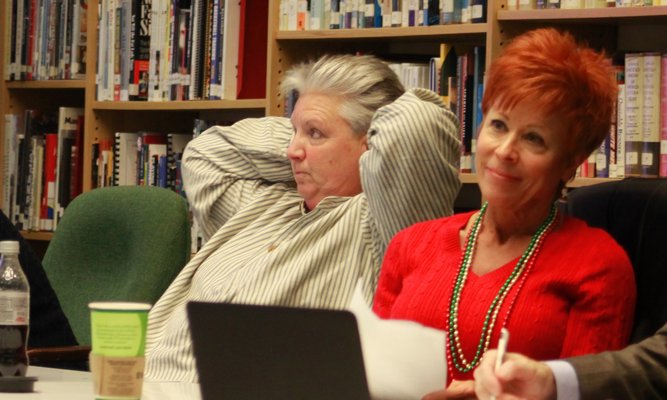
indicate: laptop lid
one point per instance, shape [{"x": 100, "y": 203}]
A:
[{"x": 271, "y": 352}]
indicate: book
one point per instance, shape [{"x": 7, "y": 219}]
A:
[
  {"x": 35, "y": 185},
  {"x": 139, "y": 50},
  {"x": 448, "y": 75},
  {"x": 650, "y": 115},
  {"x": 69, "y": 134},
  {"x": 633, "y": 113},
  {"x": 10, "y": 163},
  {"x": 230, "y": 48},
  {"x": 663, "y": 117},
  {"x": 176, "y": 143},
  {"x": 125, "y": 158},
  {"x": 47, "y": 214},
  {"x": 620, "y": 126},
  {"x": 146, "y": 164},
  {"x": 76, "y": 169},
  {"x": 251, "y": 78}
]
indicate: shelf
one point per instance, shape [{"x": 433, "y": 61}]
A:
[
  {"x": 388, "y": 33},
  {"x": 48, "y": 84},
  {"x": 189, "y": 105},
  {"x": 592, "y": 15},
  {"x": 37, "y": 235}
]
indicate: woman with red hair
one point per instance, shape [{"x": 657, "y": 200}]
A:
[{"x": 560, "y": 287}]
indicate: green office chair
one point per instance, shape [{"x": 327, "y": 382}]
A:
[{"x": 123, "y": 243}]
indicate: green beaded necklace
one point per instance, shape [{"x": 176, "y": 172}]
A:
[{"x": 455, "y": 356}]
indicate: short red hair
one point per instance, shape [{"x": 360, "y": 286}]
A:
[{"x": 551, "y": 70}]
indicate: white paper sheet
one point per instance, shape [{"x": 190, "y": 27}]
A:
[{"x": 404, "y": 360}]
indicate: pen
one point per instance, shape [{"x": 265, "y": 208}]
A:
[{"x": 502, "y": 348}]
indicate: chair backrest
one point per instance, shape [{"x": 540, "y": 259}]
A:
[
  {"x": 634, "y": 212},
  {"x": 124, "y": 243}
]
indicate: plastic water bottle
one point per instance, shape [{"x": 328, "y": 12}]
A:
[{"x": 14, "y": 311}]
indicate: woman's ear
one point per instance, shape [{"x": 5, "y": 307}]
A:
[{"x": 364, "y": 142}]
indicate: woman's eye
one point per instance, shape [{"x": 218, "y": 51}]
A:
[
  {"x": 315, "y": 134},
  {"x": 534, "y": 139},
  {"x": 498, "y": 125}
]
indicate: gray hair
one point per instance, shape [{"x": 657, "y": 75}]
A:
[{"x": 364, "y": 83}]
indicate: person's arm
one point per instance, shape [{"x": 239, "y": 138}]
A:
[
  {"x": 410, "y": 172},
  {"x": 601, "y": 315},
  {"x": 226, "y": 167},
  {"x": 636, "y": 372}
]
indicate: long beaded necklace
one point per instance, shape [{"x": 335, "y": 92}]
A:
[{"x": 455, "y": 356}]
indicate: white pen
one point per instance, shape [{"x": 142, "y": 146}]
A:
[{"x": 502, "y": 348}]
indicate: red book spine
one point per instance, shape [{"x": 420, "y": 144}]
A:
[{"x": 48, "y": 204}]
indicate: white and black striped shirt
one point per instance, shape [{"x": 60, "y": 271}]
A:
[{"x": 263, "y": 248}]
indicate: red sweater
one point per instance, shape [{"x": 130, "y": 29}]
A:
[{"x": 578, "y": 298}]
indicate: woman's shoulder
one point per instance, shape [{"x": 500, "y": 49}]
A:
[
  {"x": 432, "y": 226},
  {"x": 595, "y": 244}
]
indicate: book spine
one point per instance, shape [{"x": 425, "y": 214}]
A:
[
  {"x": 663, "y": 116},
  {"x": 650, "y": 153},
  {"x": 49, "y": 189},
  {"x": 620, "y": 128},
  {"x": 633, "y": 113},
  {"x": 116, "y": 159}
]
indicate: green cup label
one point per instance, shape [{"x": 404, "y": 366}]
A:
[{"x": 119, "y": 333}]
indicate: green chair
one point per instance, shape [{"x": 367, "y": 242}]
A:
[{"x": 122, "y": 243}]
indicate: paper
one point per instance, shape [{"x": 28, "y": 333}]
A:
[{"x": 404, "y": 360}]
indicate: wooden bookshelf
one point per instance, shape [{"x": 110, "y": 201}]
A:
[{"x": 613, "y": 29}]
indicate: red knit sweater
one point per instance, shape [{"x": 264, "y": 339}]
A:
[{"x": 578, "y": 298}]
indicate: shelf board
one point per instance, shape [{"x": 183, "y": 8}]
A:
[
  {"x": 378, "y": 33},
  {"x": 190, "y": 105},
  {"x": 583, "y": 15},
  {"x": 37, "y": 235},
  {"x": 48, "y": 84}
]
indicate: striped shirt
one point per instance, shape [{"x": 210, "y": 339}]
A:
[{"x": 264, "y": 248}]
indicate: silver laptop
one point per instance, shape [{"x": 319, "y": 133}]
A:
[{"x": 269, "y": 352}]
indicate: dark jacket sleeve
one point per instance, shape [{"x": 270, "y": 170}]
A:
[
  {"x": 48, "y": 324},
  {"x": 636, "y": 372}
]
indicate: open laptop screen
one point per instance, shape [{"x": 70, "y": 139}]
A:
[{"x": 270, "y": 352}]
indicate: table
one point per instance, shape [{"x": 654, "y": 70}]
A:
[{"x": 61, "y": 384}]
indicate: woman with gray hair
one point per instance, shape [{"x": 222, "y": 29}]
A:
[{"x": 297, "y": 210}]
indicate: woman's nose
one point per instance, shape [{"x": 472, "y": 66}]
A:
[
  {"x": 295, "y": 149},
  {"x": 506, "y": 148}
]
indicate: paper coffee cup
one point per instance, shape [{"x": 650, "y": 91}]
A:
[{"x": 118, "y": 333}]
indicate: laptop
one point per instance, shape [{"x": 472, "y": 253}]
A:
[{"x": 271, "y": 352}]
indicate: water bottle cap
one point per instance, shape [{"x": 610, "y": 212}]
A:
[{"x": 9, "y": 247}]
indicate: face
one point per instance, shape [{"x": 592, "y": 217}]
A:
[
  {"x": 521, "y": 157},
  {"x": 324, "y": 150}
]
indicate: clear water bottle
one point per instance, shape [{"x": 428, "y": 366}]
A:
[{"x": 14, "y": 311}]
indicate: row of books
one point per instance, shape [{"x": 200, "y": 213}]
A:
[
  {"x": 160, "y": 50},
  {"x": 346, "y": 14},
  {"x": 637, "y": 144},
  {"x": 42, "y": 166},
  {"x": 459, "y": 79},
  {"x": 580, "y": 4},
  {"x": 637, "y": 141},
  {"x": 140, "y": 158},
  {"x": 46, "y": 39},
  {"x": 457, "y": 75}
]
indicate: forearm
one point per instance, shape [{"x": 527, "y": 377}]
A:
[
  {"x": 636, "y": 372},
  {"x": 409, "y": 173},
  {"x": 225, "y": 167}
]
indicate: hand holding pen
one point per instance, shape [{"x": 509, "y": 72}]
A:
[{"x": 511, "y": 375}]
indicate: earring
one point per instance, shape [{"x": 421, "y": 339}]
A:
[{"x": 562, "y": 200}]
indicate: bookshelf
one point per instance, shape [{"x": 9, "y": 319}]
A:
[
  {"x": 104, "y": 118},
  {"x": 613, "y": 29}
]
